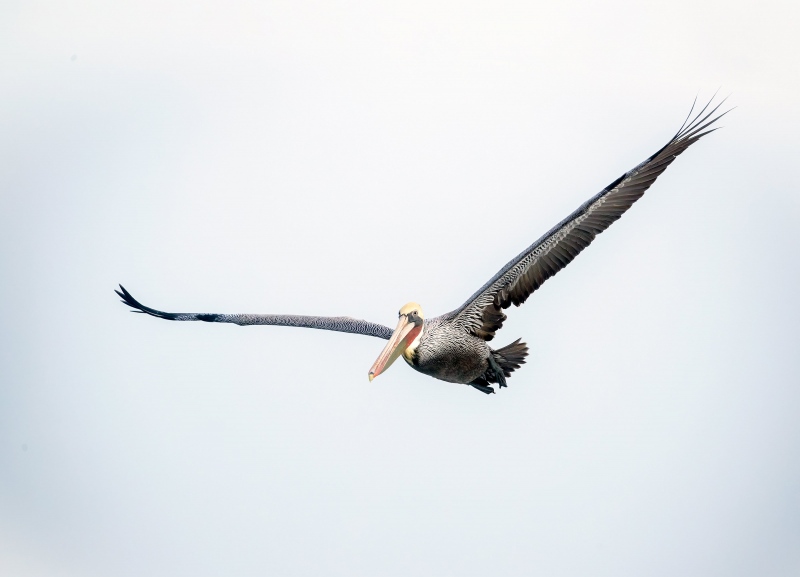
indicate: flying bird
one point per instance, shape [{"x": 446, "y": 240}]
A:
[{"x": 454, "y": 347}]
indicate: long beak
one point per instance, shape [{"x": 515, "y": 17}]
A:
[{"x": 403, "y": 335}]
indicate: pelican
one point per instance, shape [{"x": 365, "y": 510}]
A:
[{"x": 454, "y": 347}]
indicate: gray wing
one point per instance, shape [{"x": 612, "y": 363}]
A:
[
  {"x": 340, "y": 324},
  {"x": 482, "y": 314}
]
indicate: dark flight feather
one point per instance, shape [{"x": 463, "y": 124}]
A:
[
  {"x": 482, "y": 314},
  {"x": 340, "y": 324}
]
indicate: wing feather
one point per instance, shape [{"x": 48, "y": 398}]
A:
[
  {"x": 340, "y": 324},
  {"x": 482, "y": 314}
]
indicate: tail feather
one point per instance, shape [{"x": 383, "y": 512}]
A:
[{"x": 511, "y": 357}]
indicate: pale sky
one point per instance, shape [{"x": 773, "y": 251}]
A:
[{"x": 262, "y": 157}]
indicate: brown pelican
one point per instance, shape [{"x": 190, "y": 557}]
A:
[{"x": 454, "y": 347}]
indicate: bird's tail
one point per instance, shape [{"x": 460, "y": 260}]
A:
[{"x": 510, "y": 357}]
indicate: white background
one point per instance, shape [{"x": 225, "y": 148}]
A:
[{"x": 344, "y": 158}]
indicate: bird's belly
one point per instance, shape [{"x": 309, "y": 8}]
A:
[{"x": 458, "y": 363}]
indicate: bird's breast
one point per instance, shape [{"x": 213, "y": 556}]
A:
[{"x": 450, "y": 355}]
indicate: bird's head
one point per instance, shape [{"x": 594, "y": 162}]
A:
[{"x": 403, "y": 341}]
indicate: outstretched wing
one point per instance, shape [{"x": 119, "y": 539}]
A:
[
  {"x": 341, "y": 324},
  {"x": 482, "y": 314}
]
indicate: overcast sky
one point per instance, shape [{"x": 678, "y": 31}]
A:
[{"x": 264, "y": 157}]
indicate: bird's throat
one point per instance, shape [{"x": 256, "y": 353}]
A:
[{"x": 412, "y": 339}]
